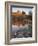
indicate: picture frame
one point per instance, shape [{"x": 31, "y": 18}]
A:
[{"x": 11, "y": 7}]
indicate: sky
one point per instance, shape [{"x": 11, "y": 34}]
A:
[{"x": 14, "y": 9}]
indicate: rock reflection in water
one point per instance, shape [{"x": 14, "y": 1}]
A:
[{"x": 21, "y": 31}]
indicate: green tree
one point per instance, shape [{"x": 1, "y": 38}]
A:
[{"x": 30, "y": 12}]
